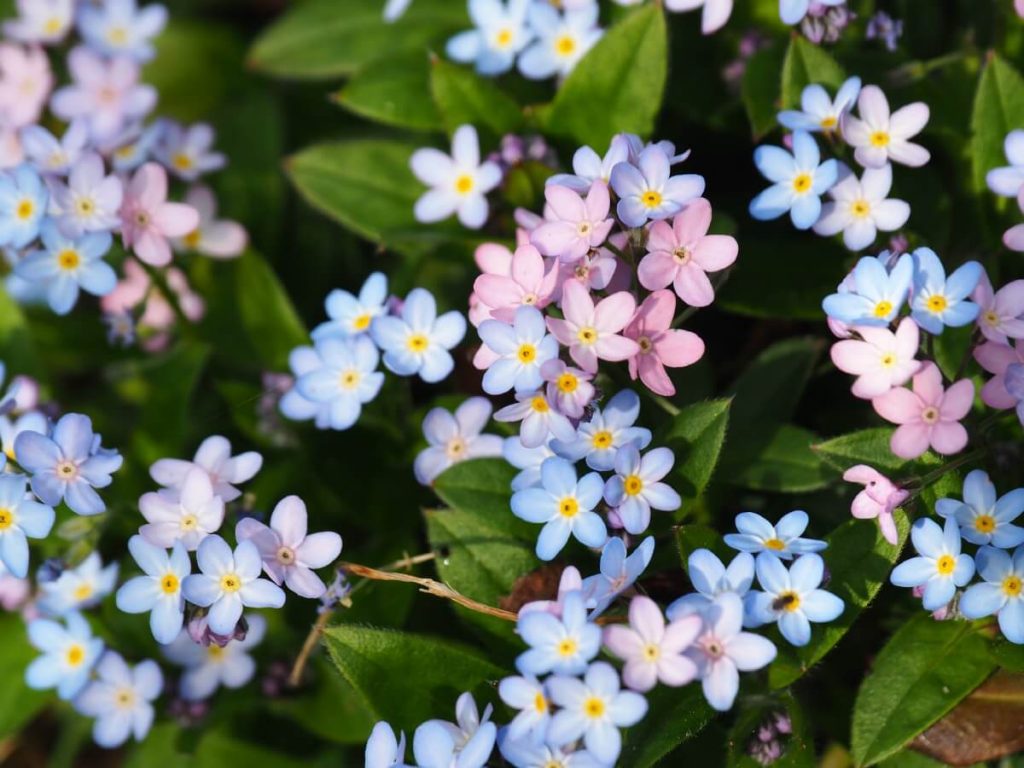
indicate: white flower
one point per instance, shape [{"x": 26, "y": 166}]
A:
[
  {"x": 76, "y": 588},
  {"x": 41, "y": 21},
  {"x": 500, "y": 34},
  {"x": 120, "y": 699},
  {"x": 861, "y": 208},
  {"x": 880, "y": 137},
  {"x": 187, "y": 514},
  {"x": 455, "y": 438},
  {"x": 214, "y": 457},
  {"x": 458, "y": 183},
  {"x": 819, "y": 112},
  {"x": 208, "y": 668},
  {"x": 562, "y": 40},
  {"x": 1008, "y": 180}
]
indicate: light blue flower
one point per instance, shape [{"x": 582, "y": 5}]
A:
[
  {"x": 799, "y": 180},
  {"x": 524, "y": 753},
  {"x": 64, "y": 266},
  {"x": 455, "y": 437},
  {"x": 819, "y": 112},
  {"x": 23, "y": 202},
  {"x": 21, "y": 518},
  {"x": 121, "y": 699},
  {"x": 594, "y": 709},
  {"x": 792, "y": 598},
  {"x": 228, "y": 582},
  {"x": 782, "y": 540},
  {"x": 158, "y": 591},
  {"x": 710, "y": 577},
  {"x": 561, "y": 39},
  {"x": 68, "y": 465},
  {"x": 293, "y": 405},
  {"x": 938, "y": 301},
  {"x": 941, "y": 568},
  {"x": 617, "y": 572},
  {"x": 346, "y": 379},
  {"x": 529, "y": 697},
  {"x": 527, "y": 460},
  {"x": 419, "y": 341},
  {"x": 565, "y": 507},
  {"x": 383, "y": 750},
  {"x": 588, "y": 166},
  {"x": 877, "y": 294},
  {"x": 1001, "y": 593},
  {"x": 982, "y": 518},
  {"x": 69, "y": 652},
  {"x": 500, "y": 33},
  {"x": 120, "y": 28},
  {"x": 793, "y": 11},
  {"x": 206, "y": 668},
  {"x": 434, "y": 747},
  {"x": 563, "y": 645},
  {"x": 599, "y": 439},
  {"x": 540, "y": 421},
  {"x": 353, "y": 315},
  {"x": 10, "y": 427},
  {"x": 649, "y": 191},
  {"x": 520, "y": 349},
  {"x": 78, "y": 588},
  {"x": 636, "y": 486},
  {"x": 50, "y": 155}
]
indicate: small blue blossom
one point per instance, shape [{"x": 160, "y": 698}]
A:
[
  {"x": 1001, "y": 593},
  {"x": 187, "y": 151},
  {"x": 471, "y": 741},
  {"x": 588, "y": 166},
  {"x": 383, "y": 750},
  {"x": 937, "y": 301},
  {"x": 782, "y": 540},
  {"x": 940, "y": 569},
  {"x": 455, "y": 437},
  {"x": 353, "y": 315},
  {"x": 158, "y": 591},
  {"x": 819, "y": 112},
  {"x": 562, "y": 645},
  {"x": 799, "y": 180},
  {"x": 636, "y": 486},
  {"x": 649, "y": 191},
  {"x": 617, "y": 574},
  {"x": 10, "y": 428},
  {"x": 540, "y": 421},
  {"x": 529, "y": 696},
  {"x": 561, "y": 39},
  {"x": 984, "y": 519},
  {"x": 346, "y": 379},
  {"x": 206, "y": 668},
  {"x": 526, "y": 460},
  {"x": 884, "y": 27},
  {"x": 599, "y": 439},
  {"x": 293, "y": 405},
  {"x": 418, "y": 342},
  {"x": 69, "y": 653},
  {"x": 525, "y": 753},
  {"x": 877, "y": 295},
  {"x": 78, "y": 588},
  {"x": 121, "y": 699},
  {"x": 50, "y": 155},
  {"x": 710, "y": 578},
  {"x": 792, "y": 598},
  {"x": 500, "y": 33},
  {"x": 565, "y": 507},
  {"x": 65, "y": 266},
  {"x": 68, "y": 465},
  {"x": 120, "y": 28},
  {"x": 21, "y": 518},
  {"x": 520, "y": 349},
  {"x": 23, "y": 203}
]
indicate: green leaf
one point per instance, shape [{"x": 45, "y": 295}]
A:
[
  {"x": 480, "y": 485},
  {"x": 18, "y": 703},
  {"x": 871, "y": 446},
  {"x": 784, "y": 463},
  {"x": 694, "y": 536},
  {"x": 394, "y": 90},
  {"x": 922, "y": 673},
  {"x": 332, "y": 710},
  {"x": 268, "y": 317},
  {"x": 16, "y": 349},
  {"x": 770, "y": 388},
  {"x": 675, "y": 715},
  {"x": 618, "y": 86},
  {"x": 382, "y": 664},
  {"x": 332, "y": 38},
  {"x": 807, "y": 63},
  {"x": 463, "y": 97},
  {"x": 697, "y": 434},
  {"x": 760, "y": 89},
  {"x": 998, "y": 109},
  {"x": 859, "y": 561}
]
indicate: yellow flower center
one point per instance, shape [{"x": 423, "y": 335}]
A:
[
  {"x": 601, "y": 439},
  {"x": 802, "y": 182},
  {"x": 985, "y": 523},
  {"x": 83, "y": 592},
  {"x": 930, "y": 415},
  {"x": 464, "y": 184},
  {"x": 74, "y": 655},
  {"x": 594, "y": 707},
  {"x": 117, "y": 35},
  {"x": 540, "y": 702},
  {"x": 937, "y": 303},
  {"x": 417, "y": 343},
  {"x": 829, "y": 122},
  {"x": 565, "y": 45},
  {"x": 879, "y": 139},
  {"x": 540, "y": 405},
  {"x": 651, "y": 652},
  {"x": 349, "y": 379},
  {"x": 230, "y": 582},
  {"x": 788, "y": 601},
  {"x": 193, "y": 238},
  {"x": 567, "y": 383},
  {"x": 527, "y": 353},
  {"x": 651, "y": 198},
  {"x": 25, "y": 209},
  {"x": 567, "y": 647},
  {"x": 587, "y": 335},
  {"x": 568, "y": 507},
  {"x": 182, "y": 162},
  {"x": 883, "y": 308},
  {"x": 286, "y": 556},
  {"x": 888, "y": 360},
  {"x": 991, "y": 318},
  {"x": 775, "y": 544},
  {"x": 362, "y": 322},
  {"x": 583, "y": 228},
  {"x": 860, "y": 208},
  {"x": 169, "y": 584},
  {"x": 6, "y": 518},
  {"x": 645, "y": 344},
  {"x": 1012, "y": 586},
  {"x": 85, "y": 206},
  {"x": 68, "y": 259},
  {"x": 215, "y": 653},
  {"x": 53, "y": 25},
  {"x": 189, "y": 523},
  {"x": 456, "y": 448},
  {"x": 945, "y": 565},
  {"x": 632, "y": 485},
  {"x": 504, "y": 38},
  {"x": 682, "y": 255},
  {"x": 66, "y": 470},
  {"x": 124, "y": 698}
]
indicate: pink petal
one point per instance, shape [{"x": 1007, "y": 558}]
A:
[
  {"x": 578, "y": 307},
  {"x": 676, "y": 670},
  {"x": 598, "y": 201},
  {"x": 498, "y": 292},
  {"x": 928, "y": 384},
  {"x": 614, "y": 312},
  {"x": 864, "y": 507},
  {"x": 910, "y": 440},
  {"x": 657, "y": 269},
  {"x": 863, "y": 474},
  {"x": 175, "y": 219},
  {"x": 692, "y": 224},
  {"x": 153, "y": 249},
  {"x": 680, "y": 634},
  {"x": 715, "y": 252},
  {"x": 899, "y": 406},
  {"x": 996, "y": 358},
  {"x": 661, "y": 237},
  {"x": 693, "y": 286},
  {"x": 149, "y": 187},
  {"x": 555, "y": 238},
  {"x": 957, "y": 401},
  {"x": 646, "y": 618},
  {"x": 623, "y": 641},
  {"x": 1009, "y": 302},
  {"x": 948, "y": 437},
  {"x": 564, "y": 331},
  {"x": 907, "y": 338},
  {"x": 653, "y": 374},
  {"x": 493, "y": 259},
  {"x": 852, "y": 356},
  {"x": 615, "y": 348},
  {"x": 888, "y": 527},
  {"x": 289, "y": 520},
  {"x": 565, "y": 203},
  {"x": 527, "y": 267},
  {"x": 656, "y": 312},
  {"x": 679, "y": 348}
]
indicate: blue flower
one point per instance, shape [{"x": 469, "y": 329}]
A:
[
  {"x": 792, "y": 598},
  {"x": 820, "y": 113},
  {"x": 525, "y": 753},
  {"x": 877, "y": 294},
  {"x": 939, "y": 302},
  {"x": 530, "y": 698},
  {"x": 564, "y": 505},
  {"x": 77, "y": 588},
  {"x": 599, "y": 439},
  {"x": 455, "y": 437},
  {"x": 940, "y": 569},
  {"x": 520, "y": 349},
  {"x": 209, "y": 667},
  {"x": 539, "y": 417},
  {"x": 636, "y": 487},
  {"x": 649, "y": 191},
  {"x": 120, "y": 699},
  {"x": 353, "y": 315},
  {"x": 68, "y": 465},
  {"x": 618, "y": 572},
  {"x": 782, "y": 540},
  {"x": 23, "y": 202},
  {"x": 293, "y": 405},
  {"x": 438, "y": 743},
  {"x": 69, "y": 653},
  {"x": 982, "y": 518},
  {"x": 120, "y": 28},
  {"x": 799, "y": 181},
  {"x": 159, "y": 590},
  {"x": 1001, "y": 592},
  {"x": 500, "y": 33},
  {"x": 711, "y": 578},
  {"x": 10, "y": 428},
  {"x": 383, "y": 750},
  {"x": 346, "y": 379},
  {"x": 64, "y": 266},
  {"x": 527, "y": 460},
  {"x": 21, "y": 518},
  {"x": 562, "y": 39},
  {"x": 561, "y": 645},
  {"x": 419, "y": 340}
]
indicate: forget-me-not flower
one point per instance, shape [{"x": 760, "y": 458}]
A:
[
  {"x": 64, "y": 266},
  {"x": 80, "y": 587},
  {"x": 41, "y": 21},
  {"x": 618, "y": 572},
  {"x": 526, "y": 753},
  {"x": 120, "y": 699},
  {"x": 418, "y": 341},
  {"x": 877, "y": 294},
  {"x": 500, "y": 33},
  {"x": 540, "y": 420},
  {"x": 939, "y": 301},
  {"x": 710, "y": 577},
  {"x": 940, "y": 567},
  {"x": 21, "y": 518},
  {"x": 527, "y": 460},
  {"x": 792, "y": 597},
  {"x": 352, "y": 315},
  {"x": 121, "y": 28},
  {"x": 588, "y": 166},
  {"x": 346, "y": 380},
  {"x": 69, "y": 652},
  {"x": 433, "y": 745},
  {"x": 186, "y": 514},
  {"x": 649, "y": 191},
  {"x": 984, "y": 519},
  {"x": 861, "y": 208},
  {"x": 561, "y": 40},
  {"x": 782, "y": 539},
  {"x": 520, "y": 349},
  {"x": 90, "y": 201},
  {"x": 563, "y": 645},
  {"x": 52, "y": 156},
  {"x": 186, "y": 151},
  {"x": 879, "y": 137},
  {"x": 458, "y": 182},
  {"x": 23, "y": 203},
  {"x": 529, "y": 696},
  {"x": 599, "y": 439},
  {"x": 652, "y": 651},
  {"x": 819, "y": 112},
  {"x": 1001, "y": 593},
  {"x": 455, "y": 437},
  {"x": 1008, "y": 180},
  {"x": 209, "y": 667},
  {"x": 799, "y": 180},
  {"x": 213, "y": 457},
  {"x": 636, "y": 486},
  {"x": 158, "y": 590},
  {"x": 383, "y": 749}
]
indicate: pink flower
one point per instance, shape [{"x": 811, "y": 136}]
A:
[
  {"x": 25, "y": 83},
  {"x": 928, "y": 415},
  {"x": 492, "y": 259},
  {"x": 1013, "y": 238},
  {"x": 158, "y": 314},
  {"x": 568, "y": 388},
  {"x": 592, "y": 333},
  {"x": 1000, "y": 315},
  {"x": 652, "y": 651},
  {"x": 659, "y": 344},
  {"x": 682, "y": 254},
  {"x": 528, "y": 283},
  {"x": 996, "y": 358},
  {"x": 598, "y": 270},
  {"x": 578, "y": 225},
  {"x": 1018, "y": 5},
  {"x": 878, "y": 499},
  {"x": 882, "y": 360},
  {"x": 213, "y": 237},
  {"x": 147, "y": 219}
]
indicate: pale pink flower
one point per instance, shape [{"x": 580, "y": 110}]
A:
[
  {"x": 996, "y": 358},
  {"x": 158, "y": 314},
  {"x": 213, "y": 237},
  {"x": 492, "y": 259},
  {"x": 569, "y": 389},
  {"x": 928, "y": 416},
  {"x": 578, "y": 225},
  {"x": 1013, "y": 238},
  {"x": 148, "y": 220},
  {"x": 25, "y": 84},
  {"x": 878, "y": 500},
  {"x": 682, "y": 254},
  {"x": 1000, "y": 315},
  {"x": 529, "y": 283},
  {"x": 1018, "y": 5},
  {"x": 598, "y": 270},
  {"x": 653, "y": 652},
  {"x": 881, "y": 359},
  {"x": 12, "y": 154},
  {"x": 592, "y": 332},
  {"x": 659, "y": 344}
]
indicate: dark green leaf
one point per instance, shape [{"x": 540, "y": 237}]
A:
[
  {"x": 394, "y": 90},
  {"x": 760, "y": 89},
  {"x": 16, "y": 349},
  {"x": 770, "y": 388},
  {"x": 784, "y": 463},
  {"x": 464, "y": 97},
  {"x": 18, "y": 703},
  {"x": 807, "y": 63},
  {"x": 694, "y": 536},
  {"x": 871, "y": 447},
  {"x": 675, "y": 715},
  {"x": 267, "y": 313},
  {"x": 332, "y": 710},
  {"x": 998, "y": 109},
  {"x": 697, "y": 434},
  {"x": 482, "y": 486}
]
